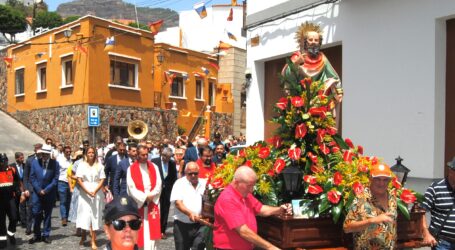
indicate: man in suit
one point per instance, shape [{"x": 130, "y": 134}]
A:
[
  {"x": 192, "y": 152},
  {"x": 18, "y": 165},
  {"x": 112, "y": 164},
  {"x": 168, "y": 173},
  {"x": 120, "y": 172},
  {"x": 44, "y": 174},
  {"x": 28, "y": 189}
]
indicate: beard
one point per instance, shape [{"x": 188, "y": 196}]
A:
[{"x": 313, "y": 51}]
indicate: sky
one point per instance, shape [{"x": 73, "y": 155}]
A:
[{"x": 177, "y": 5}]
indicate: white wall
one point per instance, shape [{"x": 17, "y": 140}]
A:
[
  {"x": 393, "y": 75},
  {"x": 205, "y": 34}
]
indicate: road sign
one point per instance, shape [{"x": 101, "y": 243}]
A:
[{"x": 93, "y": 116}]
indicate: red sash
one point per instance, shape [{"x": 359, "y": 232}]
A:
[{"x": 153, "y": 209}]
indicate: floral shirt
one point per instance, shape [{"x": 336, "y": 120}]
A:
[{"x": 382, "y": 236}]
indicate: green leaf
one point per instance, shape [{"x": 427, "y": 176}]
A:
[
  {"x": 419, "y": 197},
  {"x": 323, "y": 206},
  {"x": 336, "y": 212},
  {"x": 340, "y": 141},
  {"x": 350, "y": 200},
  {"x": 403, "y": 209}
]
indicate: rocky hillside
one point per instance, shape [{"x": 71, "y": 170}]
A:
[{"x": 117, "y": 9}]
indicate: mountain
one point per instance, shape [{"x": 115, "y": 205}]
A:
[{"x": 117, "y": 9}]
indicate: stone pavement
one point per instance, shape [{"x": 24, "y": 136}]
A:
[{"x": 63, "y": 237}]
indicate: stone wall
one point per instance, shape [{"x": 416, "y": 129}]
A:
[
  {"x": 68, "y": 124},
  {"x": 3, "y": 83},
  {"x": 223, "y": 123}
]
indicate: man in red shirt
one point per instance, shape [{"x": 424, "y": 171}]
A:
[
  {"x": 205, "y": 163},
  {"x": 235, "y": 214}
]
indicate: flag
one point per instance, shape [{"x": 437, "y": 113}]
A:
[
  {"x": 109, "y": 45},
  {"x": 231, "y": 36},
  {"x": 231, "y": 15},
  {"x": 215, "y": 66},
  {"x": 205, "y": 70},
  {"x": 156, "y": 26},
  {"x": 8, "y": 60},
  {"x": 200, "y": 9},
  {"x": 169, "y": 77},
  {"x": 224, "y": 46},
  {"x": 254, "y": 41},
  {"x": 234, "y": 2},
  {"x": 185, "y": 76}
]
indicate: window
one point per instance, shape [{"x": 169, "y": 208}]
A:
[
  {"x": 199, "y": 89},
  {"x": 19, "y": 74},
  {"x": 67, "y": 72},
  {"x": 124, "y": 74},
  {"x": 41, "y": 77},
  {"x": 211, "y": 93},
  {"x": 177, "y": 87}
]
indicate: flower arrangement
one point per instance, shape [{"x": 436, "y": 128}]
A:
[{"x": 335, "y": 171}]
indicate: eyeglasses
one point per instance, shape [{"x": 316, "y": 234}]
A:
[
  {"x": 192, "y": 173},
  {"x": 119, "y": 225}
]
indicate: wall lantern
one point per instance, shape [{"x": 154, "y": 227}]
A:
[
  {"x": 292, "y": 179},
  {"x": 400, "y": 171}
]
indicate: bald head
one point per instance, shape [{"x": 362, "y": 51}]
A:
[{"x": 244, "y": 174}]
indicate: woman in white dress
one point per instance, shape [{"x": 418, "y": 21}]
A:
[{"x": 90, "y": 176}]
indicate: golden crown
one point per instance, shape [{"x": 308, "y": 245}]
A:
[{"x": 304, "y": 28}]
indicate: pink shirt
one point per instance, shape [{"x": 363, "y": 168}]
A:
[{"x": 231, "y": 211}]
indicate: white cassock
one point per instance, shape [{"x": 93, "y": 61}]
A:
[{"x": 140, "y": 197}]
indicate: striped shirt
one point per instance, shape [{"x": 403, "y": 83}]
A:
[{"x": 439, "y": 199}]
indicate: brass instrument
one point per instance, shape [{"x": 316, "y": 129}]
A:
[{"x": 137, "y": 129}]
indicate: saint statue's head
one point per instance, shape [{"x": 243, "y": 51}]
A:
[{"x": 309, "y": 38}]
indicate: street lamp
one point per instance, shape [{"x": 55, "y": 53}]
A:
[
  {"x": 400, "y": 171},
  {"x": 292, "y": 177},
  {"x": 160, "y": 58},
  {"x": 67, "y": 33},
  {"x": 35, "y": 3}
]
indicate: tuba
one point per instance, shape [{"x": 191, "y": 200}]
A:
[{"x": 137, "y": 129}]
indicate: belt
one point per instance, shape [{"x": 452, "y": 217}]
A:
[{"x": 442, "y": 237}]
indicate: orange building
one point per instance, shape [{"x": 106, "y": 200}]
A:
[{"x": 55, "y": 75}]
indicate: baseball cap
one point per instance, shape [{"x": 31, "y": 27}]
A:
[
  {"x": 120, "y": 206},
  {"x": 381, "y": 170}
]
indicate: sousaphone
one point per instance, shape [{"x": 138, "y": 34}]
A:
[{"x": 137, "y": 129}]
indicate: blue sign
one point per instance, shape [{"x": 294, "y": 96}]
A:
[{"x": 93, "y": 116}]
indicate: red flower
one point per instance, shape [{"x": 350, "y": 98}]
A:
[
  {"x": 396, "y": 183},
  {"x": 305, "y": 81},
  {"x": 218, "y": 183},
  {"x": 297, "y": 101},
  {"x": 334, "y": 196},
  {"x": 248, "y": 164},
  {"x": 337, "y": 178},
  {"x": 335, "y": 149},
  {"x": 313, "y": 157},
  {"x": 407, "y": 197},
  {"x": 279, "y": 165},
  {"x": 264, "y": 152},
  {"x": 357, "y": 187},
  {"x": 276, "y": 141},
  {"x": 362, "y": 168},
  {"x": 282, "y": 103},
  {"x": 373, "y": 160},
  {"x": 300, "y": 131},
  {"x": 331, "y": 130},
  {"x": 309, "y": 179},
  {"x": 314, "y": 189},
  {"x": 318, "y": 111},
  {"x": 242, "y": 153},
  {"x": 320, "y": 137},
  {"x": 324, "y": 149},
  {"x": 316, "y": 169},
  {"x": 271, "y": 173},
  {"x": 294, "y": 154},
  {"x": 349, "y": 142},
  {"x": 360, "y": 149},
  {"x": 347, "y": 156}
]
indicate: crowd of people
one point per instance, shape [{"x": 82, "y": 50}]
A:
[{"x": 126, "y": 189}]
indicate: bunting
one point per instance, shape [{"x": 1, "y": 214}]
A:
[
  {"x": 231, "y": 15},
  {"x": 169, "y": 77},
  {"x": 205, "y": 70},
  {"x": 185, "y": 77},
  {"x": 109, "y": 45},
  {"x": 80, "y": 48},
  {"x": 216, "y": 66},
  {"x": 156, "y": 26},
  {"x": 8, "y": 61},
  {"x": 200, "y": 9},
  {"x": 224, "y": 46},
  {"x": 231, "y": 36}
]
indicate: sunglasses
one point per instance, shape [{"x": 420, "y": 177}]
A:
[
  {"x": 193, "y": 173},
  {"x": 119, "y": 225}
]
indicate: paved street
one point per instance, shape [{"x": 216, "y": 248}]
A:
[{"x": 63, "y": 237}]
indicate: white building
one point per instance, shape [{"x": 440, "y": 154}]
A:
[{"x": 393, "y": 54}]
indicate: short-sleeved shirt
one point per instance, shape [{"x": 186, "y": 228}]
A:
[
  {"x": 439, "y": 199},
  {"x": 191, "y": 197},
  {"x": 232, "y": 210},
  {"x": 203, "y": 171},
  {"x": 375, "y": 236}
]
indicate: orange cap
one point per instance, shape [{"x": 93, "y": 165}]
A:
[{"x": 381, "y": 170}]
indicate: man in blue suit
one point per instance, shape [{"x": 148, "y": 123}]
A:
[
  {"x": 111, "y": 166},
  {"x": 120, "y": 172},
  {"x": 44, "y": 174}
]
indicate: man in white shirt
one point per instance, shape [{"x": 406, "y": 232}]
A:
[
  {"x": 64, "y": 193},
  {"x": 187, "y": 196}
]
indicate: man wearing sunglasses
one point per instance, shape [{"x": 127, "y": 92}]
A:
[
  {"x": 122, "y": 222},
  {"x": 187, "y": 197}
]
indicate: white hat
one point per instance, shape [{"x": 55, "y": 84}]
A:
[{"x": 46, "y": 149}]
